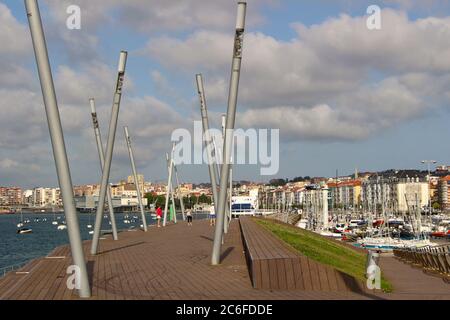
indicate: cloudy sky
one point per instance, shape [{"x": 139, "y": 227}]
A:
[{"x": 344, "y": 97}]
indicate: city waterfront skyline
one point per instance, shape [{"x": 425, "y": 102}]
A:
[{"x": 367, "y": 108}]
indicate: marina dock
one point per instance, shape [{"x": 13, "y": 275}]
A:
[{"x": 173, "y": 263}]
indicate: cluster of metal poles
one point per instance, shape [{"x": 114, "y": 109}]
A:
[
  {"x": 172, "y": 168},
  {"x": 105, "y": 156},
  {"x": 60, "y": 154},
  {"x": 220, "y": 195}
]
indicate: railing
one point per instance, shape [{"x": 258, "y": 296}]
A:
[
  {"x": 264, "y": 212},
  {"x": 5, "y": 270},
  {"x": 432, "y": 259}
]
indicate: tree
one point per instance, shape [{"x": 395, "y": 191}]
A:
[
  {"x": 278, "y": 182},
  {"x": 204, "y": 199},
  {"x": 436, "y": 206},
  {"x": 150, "y": 199},
  {"x": 193, "y": 200}
]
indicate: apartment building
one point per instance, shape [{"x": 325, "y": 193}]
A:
[{"x": 10, "y": 196}]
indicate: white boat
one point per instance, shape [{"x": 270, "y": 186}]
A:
[
  {"x": 24, "y": 230},
  {"x": 388, "y": 243},
  {"x": 341, "y": 227},
  {"x": 331, "y": 234},
  {"x": 302, "y": 224},
  {"x": 243, "y": 206},
  {"x": 55, "y": 223},
  {"x": 89, "y": 226},
  {"x": 20, "y": 225},
  {"x": 62, "y": 227}
]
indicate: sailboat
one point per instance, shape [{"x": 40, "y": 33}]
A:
[
  {"x": 54, "y": 222},
  {"x": 21, "y": 229},
  {"x": 89, "y": 226}
]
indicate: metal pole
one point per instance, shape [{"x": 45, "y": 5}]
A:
[
  {"x": 180, "y": 195},
  {"x": 171, "y": 181},
  {"x": 229, "y": 211},
  {"x": 224, "y": 124},
  {"x": 208, "y": 141},
  {"x": 228, "y": 141},
  {"x": 109, "y": 150},
  {"x": 325, "y": 209},
  {"x": 428, "y": 162},
  {"x": 429, "y": 195},
  {"x": 227, "y": 219},
  {"x": 58, "y": 145},
  {"x": 136, "y": 181},
  {"x": 101, "y": 154},
  {"x": 169, "y": 186}
]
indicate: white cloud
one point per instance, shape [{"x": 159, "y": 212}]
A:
[
  {"x": 13, "y": 36},
  {"x": 337, "y": 73},
  {"x": 147, "y": 16}
]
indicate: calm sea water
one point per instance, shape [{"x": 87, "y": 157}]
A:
[{"x": 21, "y": 248}]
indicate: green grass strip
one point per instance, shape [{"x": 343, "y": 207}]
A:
[{"x": 323, "y": 250}]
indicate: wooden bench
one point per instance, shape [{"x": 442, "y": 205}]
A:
[{"x": 273, "y": 265}]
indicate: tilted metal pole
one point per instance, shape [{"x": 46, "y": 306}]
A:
[
  {"x": 228, "y": 141},
  {"x": 172, "y": 198},
  {"x": 180, "y": 196},
  {"x": 229, "y": 211},
  {"x": 101, "y": 154},
  {"x": 136, "y": 181},
  {"x": 228, "y": 208},
  {"x": 169, "y": 187},
  {"x": 224, "y": 124},
  {"x": 109, "y": 150},
  {"x": 58, "y": 145},
  {"x": 208, "y": 141}
]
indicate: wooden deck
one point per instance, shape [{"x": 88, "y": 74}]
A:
[
  {"x": 274, "y": 265},
  {"x": 171, "y": 263},
  {"x": 165, "y": 264}
]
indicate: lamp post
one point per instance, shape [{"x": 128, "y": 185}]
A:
[{"x": 428, "y": 163}]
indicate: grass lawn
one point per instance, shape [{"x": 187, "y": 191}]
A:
[{"x": 323, "y": 250}]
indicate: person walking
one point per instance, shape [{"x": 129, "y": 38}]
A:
[
  {"x": 189, "y": 217},
  {"x": 159, "y": 214},
  {"x": 212, "y": 215}
]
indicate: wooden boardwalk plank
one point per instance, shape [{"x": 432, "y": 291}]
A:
[{"x": 166, "y": 263}]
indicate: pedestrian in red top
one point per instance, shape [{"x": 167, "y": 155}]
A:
[{"x": 159, "y": 216}]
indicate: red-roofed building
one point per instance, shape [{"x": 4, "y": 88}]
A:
[{"x": 345, "y": 194}]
